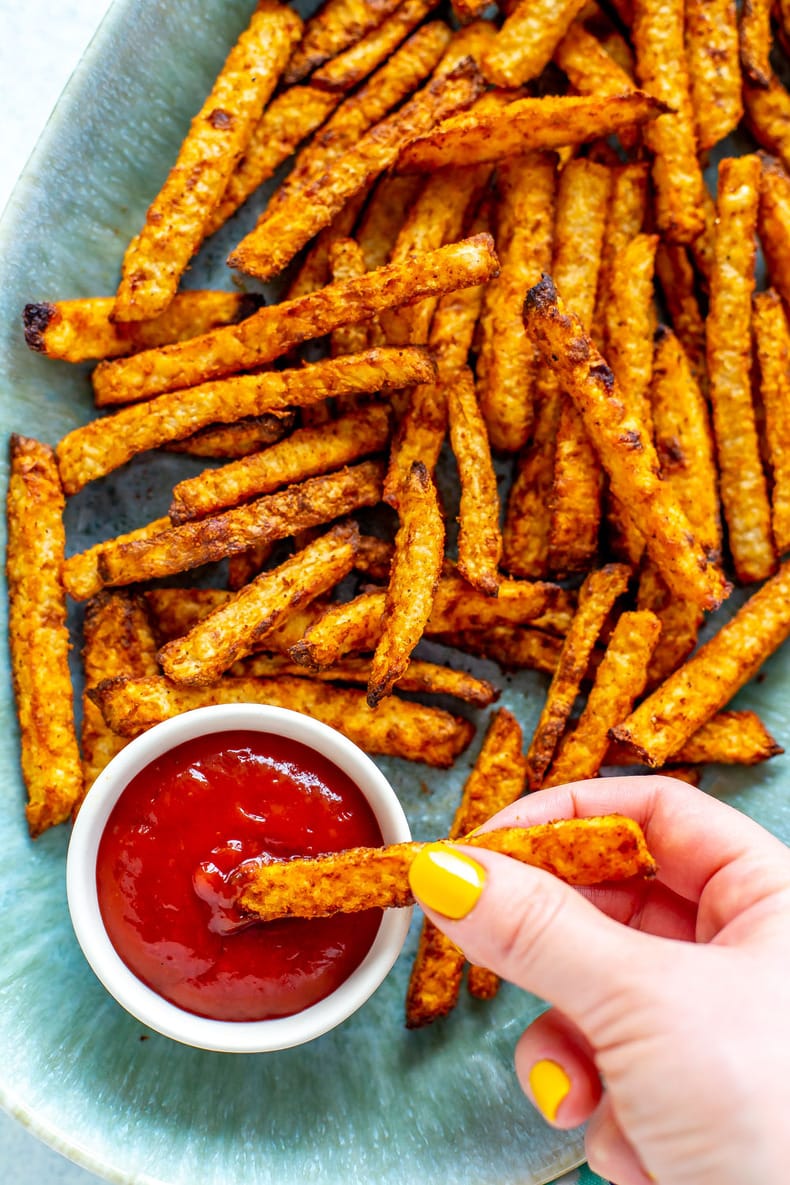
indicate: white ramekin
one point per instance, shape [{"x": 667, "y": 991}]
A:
[{"x": 147, "y": 1005}]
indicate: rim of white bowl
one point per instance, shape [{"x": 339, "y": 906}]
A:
[{"x": 147, "y": 1005}]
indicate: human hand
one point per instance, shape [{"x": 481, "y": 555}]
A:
[{"x": 670, "y": 1025}]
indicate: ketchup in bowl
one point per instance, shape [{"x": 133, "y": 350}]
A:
[{"x": 178, "y": 830}]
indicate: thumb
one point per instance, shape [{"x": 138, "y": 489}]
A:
[{"x": 530, "y": 928}]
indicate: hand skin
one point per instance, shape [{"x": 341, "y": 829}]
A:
[{"x": 675, "y": 992}]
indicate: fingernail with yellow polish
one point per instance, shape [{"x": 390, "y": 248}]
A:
[
  {"x": 446, "y": 880},
  {"x": 549, "y": 1085}
]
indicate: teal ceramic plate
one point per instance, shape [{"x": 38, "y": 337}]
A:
[{"x": 368, "y": 1102}]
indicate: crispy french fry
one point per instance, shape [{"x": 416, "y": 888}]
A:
[
  {"x": 419, "y": 437},
  {"x": 336, "y": 25},
  {"x": 436, "y": 217},
  {"x": 506, "y": 363},
  {"x": 306, "y": 453},
  {"x": 232, "y": 441},
  {"x": 81, "y": 330},
  {"x": 687, "y": 699},
  {"x": 345, "y": 70},
  {"x": 287, "y": 121},
  {"x": 581, "y": 851},
  {"x": 479, "y": 536},
  {"x": 678, "y": 285},
  {"x": 346, "y": 262},
  {"x": 768, "y": 117},
  {"x": 458, "y": 606},
  {"x": 629, "y": 459},
  {"x": 527, "y": 40},
  {"x": 513, "y": 647},
  {"x": 596, "y": 599},
  {"x": 390, "y": 85},
  {"x": 774, "y": 223},
  {"x": 177, "y": 220},
  {"x": 714, "y": 69},
  {"x": 658, "y": 37},
  {"x": 416, "y": 565},
  {"x": 680, "y": 624},
  {"x": 343, "y": 628},
  {"x": 744, "y": 493},
  {"x": 629, "y": 321},
  {"x": 234, "y": 629},
  {"x": 398, "y": 728},
  {"x": 729, "y": 738},
  {"x": 38, "y": 636},
  {"x": 525, "y": 126},
  {"x": 426, "y": 677},
  {"x": 591, "y": 70},
  {"x": 105, "y": 444},
  {"x": 456, "y": 316},
  {"x": 383, "y": 217},
  {"x": 272, "y": 244},
  {"x": 315, "y": 272},
  {"x": 576, "y": 488},
  {"x": 81, "y": 577},
  {"x": 175, "y": 611},
  {"x": 772, "y": 342},
  {"x": 525, "y": 538},
  {"x": 274, "y": 330},
  {"x": 246, "y": 565},
  {"x": 496, "y": 780},
  {"x": 754, "y": 29},
  {"x": 312, "y": 502},
  {"x": 619, "y": 680},
  {"x": 118, "y": 641}
]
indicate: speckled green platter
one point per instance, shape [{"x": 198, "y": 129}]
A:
[{"x": 369, "y": 1102}]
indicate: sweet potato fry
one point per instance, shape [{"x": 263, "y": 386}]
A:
[
  {"x": 527, "y": 40},
  {"x": 744, "y": 493},
  {"x": 768, "y": 117},
  {"x": 630, "y": 318},
  {"x": 232, "y": 441},
  {"x": 419, "y": 437},
  {"x": 576, "y": 490},
  {"x": 118, "y": 641},
  {"x": 397, "y": 78},
  {"x": 580, "y": 851},
  {"x": 177, "y": 220},
  {"x": 272, "y": 244},
  {"x": 306, "y": 453},
  {"x": 347, "y": 69},
  {"x": 513, "y": 647},
  {"x": 754, "y": 30},
  {"x": 398, "y": 728},
  {"x": 619, "y": 680},
  {"x": 336, "y": 25},
  {"x": 416, "y": 565},
  {"x": 38, "y": 636},
  {"x": 714, "y": 69},
  {"x": 774, "y": 223},
  {"x": 288, "y": 120},
  {"x": 496, "y": 780},
  {"x": 81, "y": 330},
  {"x": 506, "y": 363},
  {"x": 678, "y": 285},
  {"x": 426, "y": 677},
  {"x": 525, "y": 538},
  {"x": 316, "y": 501},
  {"x": 274, "y": 330},
  {"x": 105, "y": 444},
  {"x": 629, "y": 459},
  {"x": 525, "y": 126},
  {"x": 479, "y": 536},
  {"x": 81, "y": 577},
  {"x": 596, "y": 599},
  {"x": 658, "y": 728},
  {"x": 658, "y": 37},
  {"x": 234, "y": 629},
  {"x": 772, "y": 342}
]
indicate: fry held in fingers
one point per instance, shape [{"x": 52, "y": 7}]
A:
[{"x": 580, "y": 851}]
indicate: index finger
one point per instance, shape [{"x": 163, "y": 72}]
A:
[{"x": 691, "y": 835}]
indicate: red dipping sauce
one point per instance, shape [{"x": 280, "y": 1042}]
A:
[{"x": 181, "y": 826}]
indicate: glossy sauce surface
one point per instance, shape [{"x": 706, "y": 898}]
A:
[{"x": 177, "y": 831}]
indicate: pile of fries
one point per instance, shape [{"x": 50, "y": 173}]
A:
[{"x": 503, "y": 237}]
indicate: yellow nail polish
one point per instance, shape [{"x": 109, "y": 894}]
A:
[
  {"x": 446, "y": 880},
  {"x": 549, "y": 1085}
]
